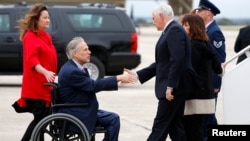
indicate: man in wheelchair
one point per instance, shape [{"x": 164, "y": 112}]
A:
[{"x": 76, "y": 86}]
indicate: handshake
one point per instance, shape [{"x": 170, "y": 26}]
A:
[{"x": 127, "y": 77}]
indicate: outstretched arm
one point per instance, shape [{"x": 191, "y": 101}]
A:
[{"x": 127, "y": 77}]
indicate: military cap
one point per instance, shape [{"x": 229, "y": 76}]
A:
[{"x": 206, "y": 4}]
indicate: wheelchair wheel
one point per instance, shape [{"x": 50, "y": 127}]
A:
[{"x": 60, "y": 127}]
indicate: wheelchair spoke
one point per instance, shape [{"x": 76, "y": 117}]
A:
[{"x": 60, "y": 127}]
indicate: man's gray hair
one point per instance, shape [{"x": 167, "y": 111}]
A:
[
  {"x": 165, "y": 9},
  {"x": 73, "y": 45}
]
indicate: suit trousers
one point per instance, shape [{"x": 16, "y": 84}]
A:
[
  {"x": 169, "y": 120},
  {"x": 111, "y": 122}
]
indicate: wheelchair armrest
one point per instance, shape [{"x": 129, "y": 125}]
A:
[
  {"x": 54, "y": 97},
  {"x": 54, "y": 106},
  {"x": 70, "y": 105},
  {"x": 53, "y": 84}
]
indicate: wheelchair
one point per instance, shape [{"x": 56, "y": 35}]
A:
[{"x": 62, "y": 126}]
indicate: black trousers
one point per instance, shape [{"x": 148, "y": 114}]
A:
[
  {"x": 39, "y": 110},
  {"x": 169, "y": 120},
  {"x": 194, "y": 127}
]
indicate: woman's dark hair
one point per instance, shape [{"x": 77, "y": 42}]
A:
[
  {"x": 197, "y": 27},
  {"x": 30, "y": 21}
]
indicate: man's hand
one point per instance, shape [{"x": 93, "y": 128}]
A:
[
  {"x": 127, "y": 77},
  {"x": 169, "y": 95}
]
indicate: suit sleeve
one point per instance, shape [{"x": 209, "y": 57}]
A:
[
  {"x": 146, "y": 73},
  {"x": 85, "y": 83}
]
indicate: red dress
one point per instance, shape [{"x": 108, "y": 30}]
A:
[{"x": 37, "y": 49}]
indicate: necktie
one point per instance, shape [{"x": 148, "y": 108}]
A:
[{"x": 85, "y": 70}]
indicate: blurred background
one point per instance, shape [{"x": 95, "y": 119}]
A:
[
  {"x": 136, "y": 105},
  {"x": 233, "y": 12}
]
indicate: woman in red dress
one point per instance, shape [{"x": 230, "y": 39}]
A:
[{"x": 39, "y": 65}]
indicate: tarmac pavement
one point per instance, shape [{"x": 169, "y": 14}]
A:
[{"x": 135, "y": 103}]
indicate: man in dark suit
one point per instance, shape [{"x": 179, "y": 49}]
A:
[
  {"x": 172, "y": 60},
  {"x": 207, "y": 10},
  {"x": 242, "y": 41},
  {"x": 75, "y": 86}
]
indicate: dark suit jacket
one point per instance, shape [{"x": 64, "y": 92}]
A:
[
  {"x": 172, "y": 58},
  {"x": 242, "y": 41},
  {"x": 76, "y": 86}
]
